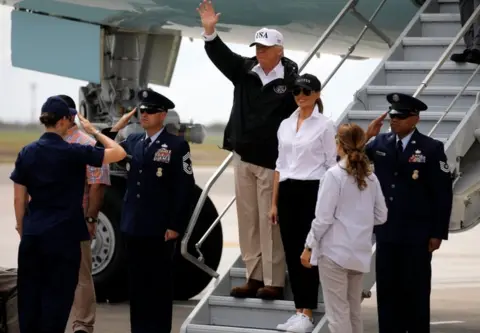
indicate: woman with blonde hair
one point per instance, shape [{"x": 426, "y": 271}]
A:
[{"x": 349, "y": 203}]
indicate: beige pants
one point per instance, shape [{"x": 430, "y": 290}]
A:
[
  {"x": 84, "y": 305},
  {"x": 260, "y": 242},
  {"x": 342, "y": 294}
]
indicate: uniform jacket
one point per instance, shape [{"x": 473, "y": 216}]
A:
[
  {"x": 159, "y": 185},
  {"x": 417, "y": 188},
  {"x": 257, "y": 110}
]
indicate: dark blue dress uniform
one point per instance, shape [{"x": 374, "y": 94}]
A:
[
  {"x": 417, "y": 186},
  {"x": 53, "y": 172},
  {"x": 158, "y": 197}
]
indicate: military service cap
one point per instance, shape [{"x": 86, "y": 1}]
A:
[
  {"x": 150, "y": 99},
  {"x": 402, "y": 104}
]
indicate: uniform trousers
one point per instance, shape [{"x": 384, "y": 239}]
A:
[
  {"x": 260, "y": 241},
  {"x": 403, "y": 273},
  {"x": 296, "y": 211},
  {"x": 150, "y": 266},
  {"x": 84, "y": 305},
  {"x": 47, "y": 277},
  {"x": 472, "y": 36}
]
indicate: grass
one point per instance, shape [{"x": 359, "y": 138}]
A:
[{"x": 206, "y": 154}]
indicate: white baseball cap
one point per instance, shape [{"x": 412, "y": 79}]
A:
[{"x": 268, "y": 37}]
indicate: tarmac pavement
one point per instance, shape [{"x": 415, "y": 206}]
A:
[{"x": 456, "y": 268}]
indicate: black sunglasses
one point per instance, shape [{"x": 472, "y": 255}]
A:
[
  {"x": 298, "y": 90},
  {"x": 149, "y": 109},
  {"x": 400, "y": 116}
]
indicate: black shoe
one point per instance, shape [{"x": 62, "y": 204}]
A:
[
  {"x": 460, "y": 57},
  {"x": 473, "y": 57}
]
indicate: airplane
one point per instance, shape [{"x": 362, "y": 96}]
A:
[{"x": 120, "y": 46}]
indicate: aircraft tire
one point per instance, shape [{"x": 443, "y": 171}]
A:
[{"x": 109, "y": 257}]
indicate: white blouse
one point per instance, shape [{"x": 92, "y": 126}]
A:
[
  {"x": 308, "y": 153},
  {"x": 344, "y": 218}
]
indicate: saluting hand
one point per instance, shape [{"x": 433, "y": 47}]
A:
[
  {"x": 208, "y": 16},
  {"x": 86, "y": 125},
  {"x": 375, "y": 126},
  {"x": 123, "y": 121},
  {"x": 170, "y": 234},
  {"x": 434, "y": 244}
]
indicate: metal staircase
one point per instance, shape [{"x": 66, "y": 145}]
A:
[{"x": 415, "y": 64}]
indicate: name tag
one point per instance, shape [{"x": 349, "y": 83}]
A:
[{"x": 381, "y": 153}]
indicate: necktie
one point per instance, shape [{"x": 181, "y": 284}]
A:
[
  {"x": 399, "y": 148},
  {"x": 146, "y": 144}
]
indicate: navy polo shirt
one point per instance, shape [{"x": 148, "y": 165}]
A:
[{"x": 53, "y": 171}]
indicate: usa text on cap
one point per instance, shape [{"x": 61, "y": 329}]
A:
[
  {"x": 153, "y": 99},
  {"x": 268, "y": 37},
  {"x": 405, "y": 104},
  {"x": 57, "y": 106}
]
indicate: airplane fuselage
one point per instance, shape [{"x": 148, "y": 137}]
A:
[{"x": 301, "y": 21}]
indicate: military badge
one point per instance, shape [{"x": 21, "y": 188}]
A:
[
  {"x": 187, "y": 166},
  {"x": 444, "y": 167},
  {"x": 417, "y": 157},
  {"x": 159, "y": 172},
  {"x": 415, "y": 174},
  {"x": 145, "y": 94},
  {"x": 162, "y": 155},
  {"x": 127, "y": 166},
  {"x": 395, "y": 98}
]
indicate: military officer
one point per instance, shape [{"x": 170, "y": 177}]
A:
[
  {"x": 416, "y": 181},
  {"x": 156, "y": 204}
]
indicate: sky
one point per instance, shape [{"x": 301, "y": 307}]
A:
[{"x": 201, "y": 93}]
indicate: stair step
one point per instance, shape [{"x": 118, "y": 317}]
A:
[
  {"x": 195, "y": 328},
  {"x": 437, "y": 98},
  {"x": 428, "y": 48},
  {"x": 448, "y": 6},
  {"x": 414, "y": 72},
  {"x": 440, "y": 25},
  {"x": 253, "y": 312},
  {"x": 238, "y": 278}
]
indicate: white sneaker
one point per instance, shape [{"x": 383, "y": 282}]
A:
[
  {"x": 301, "y": 325},
  {"x": 289, "y": 322}
]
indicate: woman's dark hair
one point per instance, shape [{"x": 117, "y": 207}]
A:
[
  {"x": 50, "y": 119},
  {"x": 351, "y": 138},
  {"x": 319, "y": 105}
]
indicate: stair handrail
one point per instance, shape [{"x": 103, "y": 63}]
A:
[
  {"x": 447, "y": 52},
  {"x": 350, "y": 5}
]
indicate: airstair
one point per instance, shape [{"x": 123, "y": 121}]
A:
[{"x": 417, "y": 63}]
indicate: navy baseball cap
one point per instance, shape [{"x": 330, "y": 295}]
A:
[
  {"x": 405, "y": 105},
  {"x": 308, "y": 81},
  {"x": 58, "y": 106}
]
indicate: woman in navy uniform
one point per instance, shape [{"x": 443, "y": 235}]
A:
[
  {"x": 155, "y": 211},
  {"x": 51, "y": 224},
  {"x": 417, "y": 185}
]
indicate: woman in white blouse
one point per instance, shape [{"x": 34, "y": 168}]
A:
[
  {"x": 349, "y": 203},
  {"x": 306, "y": 150}
]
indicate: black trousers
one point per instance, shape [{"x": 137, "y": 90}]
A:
[
  {"x": 296, "y": 211},
  {"x": 150, "y": 283},
  {"x": 47, "y": 278},
  {"x": 403, "y": 273}
]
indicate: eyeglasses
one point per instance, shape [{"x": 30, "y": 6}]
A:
[
  {"x": 400, "y": 116},
  {"x": 298, "y": 90},
  {"x": 149, "y": 109}
]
